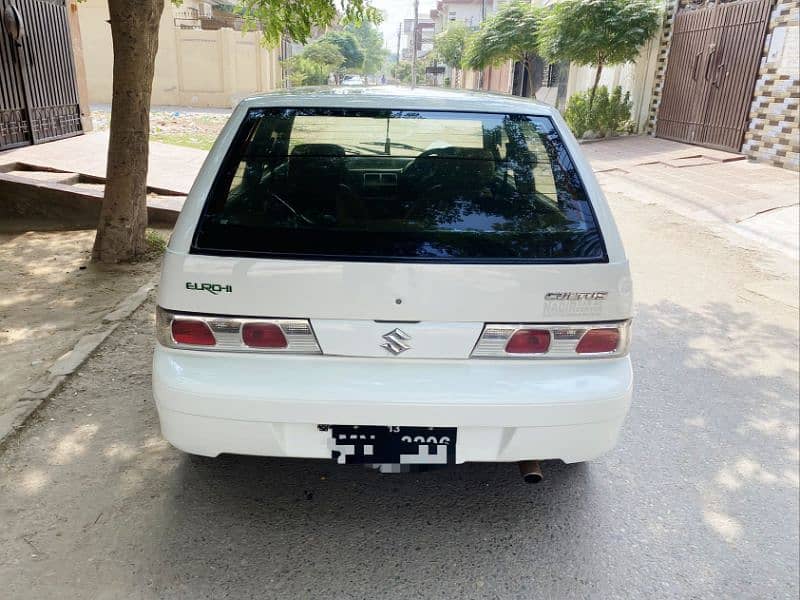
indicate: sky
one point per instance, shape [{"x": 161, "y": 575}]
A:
[{"x": 394, "y": 11}]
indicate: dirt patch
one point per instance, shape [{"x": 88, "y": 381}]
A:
[
  {"x": 190, "y": 128},
  {"x": 51, "y": 294}
]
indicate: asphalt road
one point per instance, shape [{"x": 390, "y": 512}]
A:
[{"x": 699, "y": 500}]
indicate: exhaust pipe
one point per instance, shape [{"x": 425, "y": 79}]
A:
[{"x": 531, "y": 471}]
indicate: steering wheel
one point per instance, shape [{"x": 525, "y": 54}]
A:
[
  {"x": 445, "y": 150},
  {"x": 414, "y": 173}
]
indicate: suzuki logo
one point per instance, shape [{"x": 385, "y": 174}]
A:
[{"x": 395, "y": 341}]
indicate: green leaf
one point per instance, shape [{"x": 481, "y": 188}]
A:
[
  {"x": 451, "y": 44},
  {"x": 510, "y": 34},
  {"x": 297, "y": 18},
  {"x": 581, "y": 31}
]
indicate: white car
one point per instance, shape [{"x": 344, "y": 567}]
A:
[
  {"x": 352, "y": 80},
  {"x": 395, "y": 277}
]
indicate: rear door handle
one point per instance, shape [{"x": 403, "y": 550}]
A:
[
  {"x": 709, "y": 60},
  {"x": 717, "y": 74},
  {"x": 696, "y": 64}
]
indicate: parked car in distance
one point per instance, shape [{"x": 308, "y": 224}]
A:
[
  {"x": 353, "y": 80},
  {"x": 395, "y": 277}
]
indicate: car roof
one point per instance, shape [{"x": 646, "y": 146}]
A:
[{"x": 398, "y": 98}]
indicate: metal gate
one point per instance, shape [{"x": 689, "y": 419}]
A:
[
  {"x": 711, "y": 71},
  {"x": 38, "y": 88}
]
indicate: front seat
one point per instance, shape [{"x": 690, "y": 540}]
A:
[{"x": 315, "y": 177}]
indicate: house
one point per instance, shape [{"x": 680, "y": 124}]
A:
[
  {"x": 426, "y": 29},
  {"x": 721, "y": 73},
  {"x": 510, "y": 77}
]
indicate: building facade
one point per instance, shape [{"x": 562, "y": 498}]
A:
[{"x": 722, "y": 73}]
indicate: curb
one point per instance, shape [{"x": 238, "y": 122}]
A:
[{"x": 33, "y": 398}]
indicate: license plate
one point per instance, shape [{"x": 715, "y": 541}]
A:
[{"x": 365, "y": 444}]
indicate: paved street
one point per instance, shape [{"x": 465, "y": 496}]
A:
[{"x": 699, "y": 500}]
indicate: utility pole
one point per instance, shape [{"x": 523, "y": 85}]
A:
[
  {"x": 414, "y": 45},
  {"x": 399, "y": 34}
]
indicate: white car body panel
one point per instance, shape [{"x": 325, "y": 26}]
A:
[
  {"x": 505, "y": 410},
  {"x": 361, "y": 337},
  {"x": 363, "y": 290}
]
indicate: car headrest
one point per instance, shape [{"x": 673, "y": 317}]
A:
[
  {"x": 468, "y": 166},
  {"x": 318, "y": 150},
  {"x": 470, "y": 153}
]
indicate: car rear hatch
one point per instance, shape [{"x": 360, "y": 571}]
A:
[{"x": 404, "y": 235}]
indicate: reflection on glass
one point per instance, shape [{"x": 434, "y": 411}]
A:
[{"x": 398, "y": 185}]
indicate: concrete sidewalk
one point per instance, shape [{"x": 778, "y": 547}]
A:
[
  {"x": 753, "y": 203},
  {"x": 172, "y": 168}
]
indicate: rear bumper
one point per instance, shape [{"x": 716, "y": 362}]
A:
[{"x": 213, "y": 403}]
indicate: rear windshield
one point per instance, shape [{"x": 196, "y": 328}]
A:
[{"x": 386, "y": 185}]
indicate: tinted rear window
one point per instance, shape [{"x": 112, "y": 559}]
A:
[{"x": 398, "y": 185}]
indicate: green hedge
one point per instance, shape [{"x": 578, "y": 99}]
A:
[{"x": 609, "y": 113}]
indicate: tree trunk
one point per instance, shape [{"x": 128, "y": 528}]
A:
[
  {"x": 528, "y": 66},
  {"x": 123, "y": 217},
  {"x": 596, "y": 82}
]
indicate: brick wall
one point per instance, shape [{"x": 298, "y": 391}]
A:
[
  {"x": 670, "y": 6},
  {"x": 774, "y": 132}
]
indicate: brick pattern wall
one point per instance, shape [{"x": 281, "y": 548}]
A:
[
  {"x": 670, "y": 7},
  {"x": 773, "y": 134}
]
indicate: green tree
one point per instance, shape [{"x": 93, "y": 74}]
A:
[
  {"x": 315, "y": 63},
  {"x": 451, "y": 44},
  {"x": 511, "y": 33},
  {"x": 370, "y": 39},
  {"x": 297, "y": 18},
  {"x": 402, "y": 71},
  {"x": 134, "y": 35},
  {"x": 349, "y": 47},
  {"x": 598, "y": 32}
]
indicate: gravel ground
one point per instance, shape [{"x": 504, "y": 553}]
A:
[
  {"x": 195, "y": 128},
  {"x": 699, "y": 500}
]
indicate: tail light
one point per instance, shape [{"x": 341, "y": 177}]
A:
[
  {"x": 192, "y": 332},
  {"x": 528, "y": 341},
  {"x": 263, "y": 335},
  {"x": 235, "y": 334},
  {"x": 596, "y": 341},
  {"x": 600, "y": 340}
]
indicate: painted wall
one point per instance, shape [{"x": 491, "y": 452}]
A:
[
  {"x": 495, "y": 79},
  {"x": 193, "y": 67}
]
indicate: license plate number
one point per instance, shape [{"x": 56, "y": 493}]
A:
[{"x": 365, "y": 444}]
